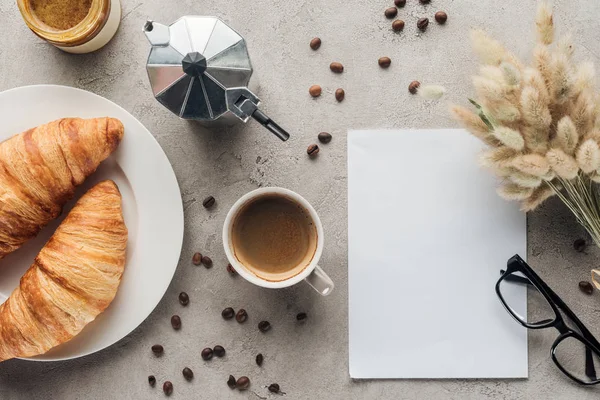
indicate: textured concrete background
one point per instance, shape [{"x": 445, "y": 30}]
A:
[{"x": 309, "y": 361}]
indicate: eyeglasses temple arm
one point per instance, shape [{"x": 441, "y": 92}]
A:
[
  {"x": 590, "y": 370},
  {"x": 516, "y": 279}
]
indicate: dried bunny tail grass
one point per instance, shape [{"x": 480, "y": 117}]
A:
[
  {"x": 544, "y": 24},
  {"x": 489, "y": 50},
  {"x": 566, "y": 136},
  {"x": 431, "y": 92},
  {"x": 525, "y": 180},
  {"x": 533, "y": 77},
  {"x": 535, "y": 111},
  {"x": 509, "y": 137},
  {"x": 536, "y": 140},
  {"x": 588, "y": 156},
  {"x": 511, "y": 73},
  {"x": 565, "y": 46},
  {"x": 541, "y": 60},
  {"x": 585, "y": 77},
  {"x": 538, "y": 196},
  {"x": 563, "y": 164},
  {"x": 532, "y": 164},
  {"x": 562, "y": 81},
  {"x": 474, "y": 124},
  {"x": 512, "y": 191},
  {"x": 584, "y": 113},
  {"x": 492, "y": 73},
  {"x": 501, "y": 157},
  {"x": 504, "y": 111},
  {"x": 487, "y": 89}
]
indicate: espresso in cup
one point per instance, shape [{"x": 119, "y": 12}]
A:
[{"x": 274, "y": 237}]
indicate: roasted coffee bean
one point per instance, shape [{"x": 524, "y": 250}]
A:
[
  {"x": 228, "y": 313},
  {"x": 206, "y": 261},
  {"x": 312, "y": 150},
  {"x": 219, "y": 351},
  {"x": 274, "y": 388},
  {"x": 391, "y": 12},
  {"x": 441, "y": 17},
  {"x": 231, "y": 382},
  {"x": 336, "y": 67},
  {"x": 315, "y": 43},
  {"x": 414, "y": 87},
  {"x": 207, "y": 354},
  {"x": 264, "y": 326},
  {"x": 259, "y": 359},
  {"x": 168, "y": 388},
  {"x": 301, "y": 316},
  {"x": 157, "y": 349},
  {"x": 152, "y": 380},
  {"x": 324, "y": 137},
  {"x": 398, "y": 25},
  {"x": 425, "y": 1},
  {"x": 208, "y": 202},
  {"x": 197, "y": 259},
  {"x": 586, "y": 287},
  {"x": 422, "y": 24},
  {"x": 176, "y": 322},
  {"x": 384, "y": 62},
  {"x": 231, "y": 270},
  {"x": 242, "y": 383},
  {"x": 314, "y": 90},
  {"x": 184, "y": 299},
  {"x": 400, "y": 3},
  {"x": 241, "y": 316},
  {"x": 580, "y": 245},
  {"x": 340, "y": 94},
  {"x": 188, "y": 374}
]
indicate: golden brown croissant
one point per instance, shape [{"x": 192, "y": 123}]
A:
[
  {"x": 73, "y": 279},
  {"x": 40, "y": 168}
]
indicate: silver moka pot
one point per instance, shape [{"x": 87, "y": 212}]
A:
[{"x": 199, "y": 68}]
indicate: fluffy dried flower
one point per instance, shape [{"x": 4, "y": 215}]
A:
[
  {"x": 588, "y": 156},
  {"x": 566, "y": 136},
  {"x": 585, "y": 77},
  {"x": 562, "y": 82},
  {"x": 545, "y": 24},
  {"x": 535, "y": 112},
  {"x": 501, "y": 157},
  {"x": 509, "y": 137},
  {"x": 538, "y": 196},
  {"x": 431, "y": 92},
  {"x": 565, "y": 46},
  {"x": 533, "y": 164},
  {"x": 511, "y": 74},
  {"x": 563, "y": 164},
  {"x": 525, "y": 180},
  {"x": 490, "y": 51},
  {"x": 492, "y": 73},
  {"x": 512, "y": 191},
  {"x": 474, "y": 124}
]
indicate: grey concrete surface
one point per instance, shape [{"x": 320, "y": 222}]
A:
[{"x": 309, "y": 361}]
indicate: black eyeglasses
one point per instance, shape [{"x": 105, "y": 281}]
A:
[{"x": 576, "y": 352}]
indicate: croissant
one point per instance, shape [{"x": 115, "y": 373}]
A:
[
  {"x": 40, "y": 168},
  {"x": 72, "y": 280}
]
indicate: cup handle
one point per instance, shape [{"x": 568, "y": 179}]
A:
[{"x": 320, "y": 281}]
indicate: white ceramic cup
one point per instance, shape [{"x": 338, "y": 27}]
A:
[{"x": 312, "y": 274}]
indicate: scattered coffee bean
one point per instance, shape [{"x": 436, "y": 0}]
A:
[
  {"x": 208, "y": 202},
  {"x": 384, "y": 62},
  {"x": 176, "y": 322},
  {"x": 414, "y": 87},
  {"x": 207, "y": 354},
  {"x": 586, "y": 287},
  {"x": 340, "y": 94},
  {"x": 580, "y": 245},
  {"x": 241, "y": 316},
  {"x": 312, "y": 150},
  {"x": 301, "y": 316},
  {"x": 243, "y": 383},
  {"x": 206, "y": 261},
  {"x": 168, "y": 388},
  {"x": 314, "y": 90},
  {"x": 197, "y": 259},
  {"x": 184, "y": 299},
  {"x": 228, "y": 313},
  {"x": 441, "y": 17},
  {"x": 259, "y": 359},
  {"x": 157, "y": 349},
  {"x": 400, "y": 3},
  {"x": 315, "y": 43},
  {"x": 264, "y": 326},
  {"x": 231, "y": 382},
  {"x": 324, "y": 137},
  {"x": 231, "y": 270},
  {"x": 391, "y": 12},
  {"x": 219, "y": 351},
  {"x": 398, "y": 25},
  {"x": 188, "y": 374},
  {"x": 274, "y": 388},
  {"x": 152, "y": 380},
  {"x": 425, "y": 1},
  {"x": 422, "y": 24},
  {"x": 336, "y": 67}
]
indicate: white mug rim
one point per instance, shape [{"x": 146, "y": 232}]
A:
[{"x": 249, "y": 276}]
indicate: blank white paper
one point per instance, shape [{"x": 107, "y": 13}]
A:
[{"x": 427, "y": 237}]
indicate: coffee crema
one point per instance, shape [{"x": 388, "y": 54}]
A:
[
  {"x": 274, "y": 237},
  {"x": 60, "y": 14}
]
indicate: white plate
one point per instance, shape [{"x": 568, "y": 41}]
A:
[{"x": 152, "y": 209}]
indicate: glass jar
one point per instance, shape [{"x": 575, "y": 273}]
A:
[{"x": 60, "y": 24}]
